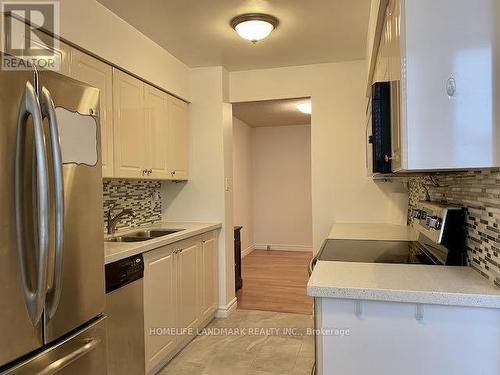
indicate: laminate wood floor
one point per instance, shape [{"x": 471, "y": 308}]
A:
[{"x": 275, "y": 281}]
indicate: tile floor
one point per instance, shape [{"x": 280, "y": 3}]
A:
[{"x": 253, "y": 352}]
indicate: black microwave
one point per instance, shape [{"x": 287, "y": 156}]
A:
[{"x": 381, "y": 127}]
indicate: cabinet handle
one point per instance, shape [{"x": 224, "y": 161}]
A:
[
  {"x": 358, "y": 309},
  {"x": 144, "y": 172},
  {"x": 419, "y": 312},
  {"x": 173, "y": 173}
]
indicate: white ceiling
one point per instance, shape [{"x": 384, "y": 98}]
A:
[
  {"x": 271, "y": 113},
  {"x": 198, "y": 33}
]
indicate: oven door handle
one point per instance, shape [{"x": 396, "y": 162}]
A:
[{"x": 312, "y": 263}]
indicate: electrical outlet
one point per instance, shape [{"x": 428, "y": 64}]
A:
[{"x": 154, "y": 200}]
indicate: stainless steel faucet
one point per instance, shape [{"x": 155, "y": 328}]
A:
[{"x": 112, "y": 221}]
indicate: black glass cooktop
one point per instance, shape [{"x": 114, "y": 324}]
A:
[{"x": 405, "y": 252}]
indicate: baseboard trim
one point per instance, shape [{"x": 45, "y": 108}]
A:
[
  {"x": 247, "y": 251},
  {"x": 281, "y": 247},
  {"x": 227, "y": 310}
]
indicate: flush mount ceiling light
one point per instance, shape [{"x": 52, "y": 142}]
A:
[
  {"x": 304, "y": 107},
  {"x": 254, "y": 26}
]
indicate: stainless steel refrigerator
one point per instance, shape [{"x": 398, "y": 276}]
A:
[{"x": 51, "y": 239}]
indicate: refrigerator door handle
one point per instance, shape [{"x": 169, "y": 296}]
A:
[
  {"x": 34, "y": 299},
  {"x": 48, "y": 110}
]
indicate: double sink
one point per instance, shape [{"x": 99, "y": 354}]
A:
[{"x": 143, "y": 235}]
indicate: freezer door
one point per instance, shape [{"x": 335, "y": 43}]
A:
[
  {"x": 80, "y": 280},
  {"x": 18, "y": 336},
  {"x": 82, "y": 353}
]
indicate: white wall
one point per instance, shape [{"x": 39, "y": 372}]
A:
[
  {"x": 282, "y": 187},
  {"x": 341, "y": 191},
  {"x": 203, "y": 197},
  {"x": 93, "y": 27},
  {"x": 242, "y": 182}
]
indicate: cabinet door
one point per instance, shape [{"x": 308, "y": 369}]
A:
[
  {"x": 159, "y": 304},
  {"x": 381, "y": 73},
  {"x": 209, "y": 276},
  {"x": 452, "y": 84},
  {"x": 188, "y": 289},
  {"x": 393, "y": 21},
  {"x": 89, "y": 70},
  {"x": 129, "y": 126},
  {"x": 381, "y": 63},
  {"x": 178, "y": 151},
  {"x": 156, "y": 106}
]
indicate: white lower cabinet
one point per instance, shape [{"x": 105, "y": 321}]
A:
[
  {"x": 180, "y": 295},
  {"x": 160, "y": 301},
  {"x": 188, "y": 287},
  {"x": 392, "y": 338},
  {"x": 208, "y": 272}
]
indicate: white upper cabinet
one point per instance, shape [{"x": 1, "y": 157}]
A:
[
  {"x": 129, "y": 126},
  {"x": 94, "y": 72},
  {"x": 150, "y": 131},
  {"x": 443, "y": 59},
  {"x": 393, "y": 20},
  {"x": 451, "y": 84},
  {"x": 178, "y": 144},
  {"x": 381, "y": 73},
  {"x": 157, "y": 136}
]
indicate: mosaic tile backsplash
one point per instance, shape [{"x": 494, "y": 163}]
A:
[
  {"x": 142, "y": 197},
  {"x": 479, "y": 193}
]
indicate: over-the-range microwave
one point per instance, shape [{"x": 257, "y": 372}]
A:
[{"x": 381, "y": 127}]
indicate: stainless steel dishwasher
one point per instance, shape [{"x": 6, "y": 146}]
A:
[{"x": 125, "y": 311}]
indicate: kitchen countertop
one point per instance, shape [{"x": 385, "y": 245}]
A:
[
  {"x": 435, "y": 285},
  {"x": 114, "y": 251},
  {"x": 423, "y": 284}
]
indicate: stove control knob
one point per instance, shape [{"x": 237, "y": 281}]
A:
[
  {"x": 416, "y": 213},
  {"x": 434, "y": 222}
]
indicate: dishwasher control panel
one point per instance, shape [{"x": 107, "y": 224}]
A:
[{"x": 123, "y": 272}]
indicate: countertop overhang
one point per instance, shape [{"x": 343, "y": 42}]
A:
[
  {"x": 114, "y": 251},
  {"x": 422, "y": 284}
]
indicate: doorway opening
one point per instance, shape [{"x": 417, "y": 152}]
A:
[{"x": 272, "y": 204}]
